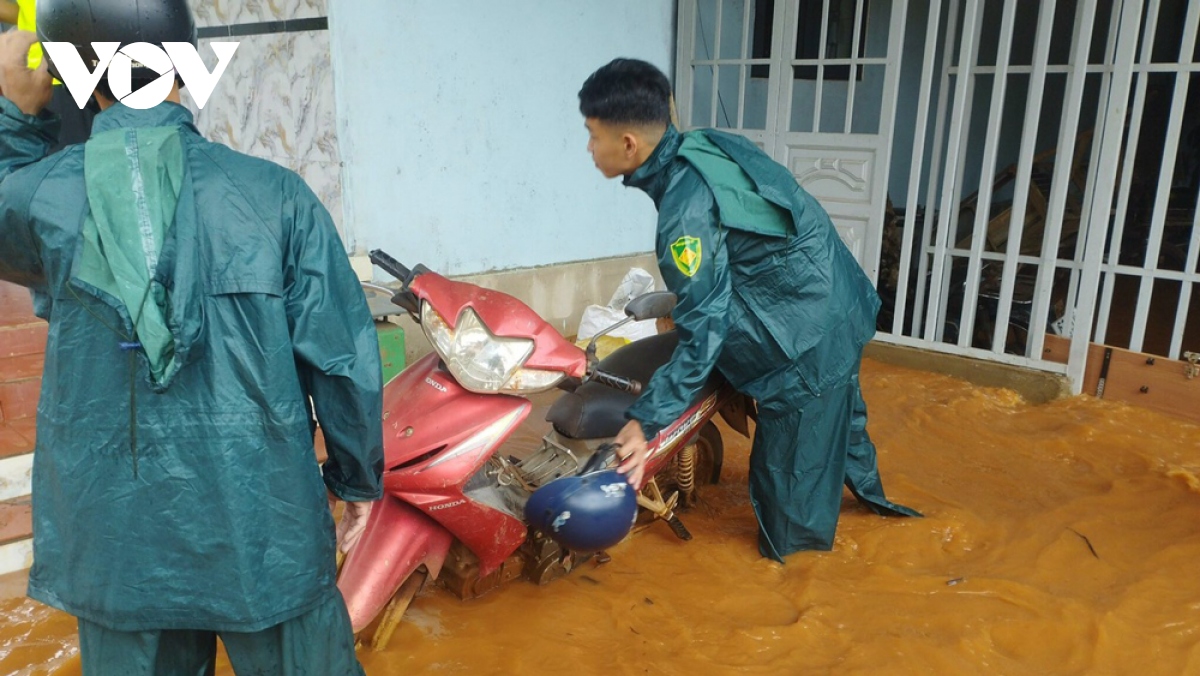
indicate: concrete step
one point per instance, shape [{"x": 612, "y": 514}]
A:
[
  {"x": 27, "y": 336},
  {"x": 22, "y": 348},
  {"x": 15, "y": 301},
  {"x": 16, "y": 520},
  {"x": 20, "y": 385},
  {"x": 16, "y": 535},
  {"x": 21, "y": 367},
  {"x": 21, "y": 332},
  {"x": 16, "y": 476},
  {"x": 18, "y": 398},
  {"x": 16, "y": 437}
]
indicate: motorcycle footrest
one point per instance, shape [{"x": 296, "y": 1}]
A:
[{"x": 678, "y": 528}]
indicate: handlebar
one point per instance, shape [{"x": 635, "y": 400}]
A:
[
  {"x": 616, "y": 382},
  {"x": 392, "y": 266}
]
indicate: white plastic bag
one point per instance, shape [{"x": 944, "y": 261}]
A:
[
  {"x": 596, "y": 318},
  {"x": 635, "y": 283}
]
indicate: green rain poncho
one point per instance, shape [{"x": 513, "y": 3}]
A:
[
  {"x": 771, "y": 297},
  {"x": 185, "y": 494}
]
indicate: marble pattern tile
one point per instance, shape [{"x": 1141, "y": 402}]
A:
[
  {"x": 227, "y": 12},
  {"x": 275, "y": 98},
  {"x": 276, "y": 101}
]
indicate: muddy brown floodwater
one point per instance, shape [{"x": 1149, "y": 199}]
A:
[{"x": 1058, "y": 539}]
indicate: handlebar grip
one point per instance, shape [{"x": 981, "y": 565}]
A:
[
  {"x": 390, "y": 265},
  {"x": 617, "y": 382}
]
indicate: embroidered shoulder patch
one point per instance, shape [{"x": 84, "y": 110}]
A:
[{"x": 686, "y": 253}]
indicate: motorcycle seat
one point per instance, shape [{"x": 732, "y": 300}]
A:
[{"x": 595, "y": 411}]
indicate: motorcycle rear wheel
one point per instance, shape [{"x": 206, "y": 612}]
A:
[{"x": 710, "y": 454}]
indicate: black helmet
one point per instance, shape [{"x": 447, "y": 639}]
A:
[{"x": 82, "y": 22}]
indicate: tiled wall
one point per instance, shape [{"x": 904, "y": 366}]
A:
[
  {"x": 275, "y": 99},
  {"x": 228, "y": 12}
]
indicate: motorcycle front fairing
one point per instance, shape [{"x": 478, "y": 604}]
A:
[
  {"x": 397, "y": 541},
  {"x": 437, "y": 437},
  {"x": 504, "y": 316}
]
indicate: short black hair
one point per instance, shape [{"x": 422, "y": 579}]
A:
[{"x": 627, "y": 91}]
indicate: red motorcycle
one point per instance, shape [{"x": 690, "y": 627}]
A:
[{"x": 453, "y": 503}]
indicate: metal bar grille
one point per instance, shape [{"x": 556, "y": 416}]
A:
[
  {"x": 1020, "y": 206},
  {"x": 918, "y": 157},
  {"x": 935, "y": 169},
  {"x": 853, "y": 68},
  {"x": 947, "y": 213},
  {"x": 1165, "y": 180},
  {"x": 820, "y": 61},
  {"x": 1081, "y": 43},
  {"x": 1139, "y": 104},
  {"x": 984, "y": 201},
  {"x": 1110, "y": 148}
]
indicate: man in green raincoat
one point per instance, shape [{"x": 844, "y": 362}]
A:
[
  {"x": 202, "y": 309},
  {"x": 769, "y": 296}
]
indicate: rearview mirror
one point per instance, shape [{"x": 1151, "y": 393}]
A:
[{"x": 653, "y": 305}]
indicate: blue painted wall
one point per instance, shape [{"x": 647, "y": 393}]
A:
[{"x": 462, "y": 143}]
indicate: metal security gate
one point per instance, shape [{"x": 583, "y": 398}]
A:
[
  {"x": 1000, "y": 190},
  {"x": 1025, "y": 163},
  {"x": 1044, "y": 158},
  {"x": 813, "y": 83},
  {"x": 1154, "y": 240}
]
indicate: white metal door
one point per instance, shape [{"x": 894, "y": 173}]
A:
[{"x": 813, "y": 83}]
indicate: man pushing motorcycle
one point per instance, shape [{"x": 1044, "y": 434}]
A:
[{"x": 769, "y": 296}]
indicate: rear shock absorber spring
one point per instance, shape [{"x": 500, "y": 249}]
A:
[{"x": 687, "y": 471}]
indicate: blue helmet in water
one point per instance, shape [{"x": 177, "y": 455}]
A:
[{"x": 586, "y": 512}]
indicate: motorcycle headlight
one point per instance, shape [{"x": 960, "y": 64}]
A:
[
  {"x": 481, "y": 361},
  {"x": 532, "y": 380}
]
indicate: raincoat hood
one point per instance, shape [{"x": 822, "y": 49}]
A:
[
  {"x": 745, "y": 202},
  {"x": 134, "y": 174}
]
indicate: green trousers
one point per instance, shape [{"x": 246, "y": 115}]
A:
[
  {"x": 804, "y": 451},
  {"x": 317, "y": 643}
]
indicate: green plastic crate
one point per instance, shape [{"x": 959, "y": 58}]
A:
[{"x": 391, "y": 349}]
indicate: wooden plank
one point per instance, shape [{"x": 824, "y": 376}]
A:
[
  {"x": 1149, "y": 381},
  {"x": 1156, "y": 383},
  {"x": 1058, "y": 349}
]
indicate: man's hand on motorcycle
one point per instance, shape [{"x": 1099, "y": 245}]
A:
[
  {"x": 352, "y": 524},
  {"x": 29, "y": 90},
  {"x": 633, "y": 451}
]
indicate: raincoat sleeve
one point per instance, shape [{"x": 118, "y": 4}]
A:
[
  {"x": 337, "y": 352},
  {"x": 695, "y": 265},
  {"x": 24, "y": 139}
]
